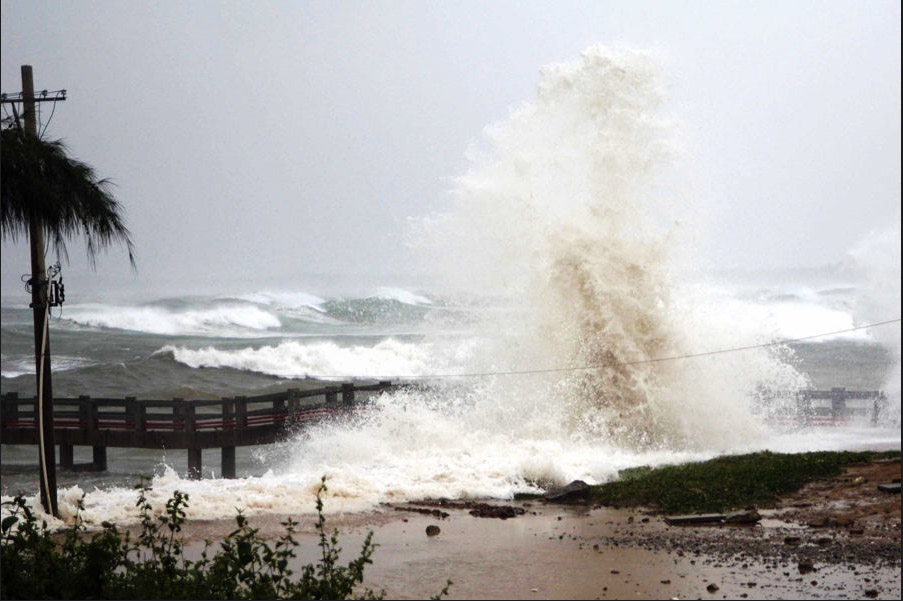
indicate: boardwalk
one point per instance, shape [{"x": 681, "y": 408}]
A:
[
  {"x": 243, "y": 421},
  {"x": 178, "y": 424}
]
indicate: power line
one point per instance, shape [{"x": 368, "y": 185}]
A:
[{"x": 615, "y": 363}]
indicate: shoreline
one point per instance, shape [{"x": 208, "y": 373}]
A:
[{"x": 835, "y": 538}]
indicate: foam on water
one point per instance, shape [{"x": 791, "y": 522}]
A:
[
  {"x": 326, "y": 360},
  {"x": 403, "y": 296},
  {"x": 216, "y": 320}
]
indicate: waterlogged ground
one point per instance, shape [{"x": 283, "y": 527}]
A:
[{"x": 835, "y": 539}]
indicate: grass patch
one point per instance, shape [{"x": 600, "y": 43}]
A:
[{"x": 726, "y": 482}]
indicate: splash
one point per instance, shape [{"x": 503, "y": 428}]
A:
[
  {"x": 566, "y": 215},
  {"x": 875, "y": 261}
]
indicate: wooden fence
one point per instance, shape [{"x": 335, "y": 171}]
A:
[{"x": 177, "y": 424}]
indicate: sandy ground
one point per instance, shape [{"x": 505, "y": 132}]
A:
[{"x": 835, "y": 539}]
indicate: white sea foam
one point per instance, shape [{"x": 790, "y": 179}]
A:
[
  {"x": 403, "y": 296},
  {"x": 292, "y": 359},
  {"x": 217, "y": 320},
  {"x": 284, "y": 299}
]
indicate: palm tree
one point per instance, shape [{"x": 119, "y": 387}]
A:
[
  {"x": 45, "y": 193},
  {"x": 42, "y": 185}
]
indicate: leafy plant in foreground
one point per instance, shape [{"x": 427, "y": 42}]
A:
[{"x": 37, "y": 564}]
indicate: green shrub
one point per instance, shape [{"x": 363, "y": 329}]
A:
[{"x": 37, "y": 564}]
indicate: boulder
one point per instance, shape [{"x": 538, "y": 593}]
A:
[
  {"x": 576, "y": 490},
  {"x": 747, "y": 516}
]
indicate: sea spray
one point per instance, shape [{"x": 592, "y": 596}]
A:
[
  {"x": 563, "y": 217},
  {"x": 875, "y": 261}
]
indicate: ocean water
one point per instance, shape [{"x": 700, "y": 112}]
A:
[{"x": 565, "y": 334}]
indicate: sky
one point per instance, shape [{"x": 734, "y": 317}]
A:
[{"x": 292, "y": 141}]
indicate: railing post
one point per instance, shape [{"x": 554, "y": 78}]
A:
[
  {"x": 877, "y": 406},
  {"x": 131, "y": 412},
  {"x": 98, "y": 452},
  {"x": 194, "y": 451},
  {"x": 241, "y": 412},
  {"x": 803, "y": 406},
  {"x": 293, "y": 403},
  {"x": 348, "y": 394},
  {"x": 227, "y": 454},
  {"x": 90, "y": 412},
  {"x": 9, "y": 411},
  {"x": 178, "y": 413},
  {"x": 838, "y": 402},
  {"x": 332, "y": 395},
  {"x": 279, "y": 411}
]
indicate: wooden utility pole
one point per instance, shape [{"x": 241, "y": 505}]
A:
[{"x": 39, "y": 303}]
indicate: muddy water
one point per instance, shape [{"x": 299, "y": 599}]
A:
[{"x": 559, "y": 553}]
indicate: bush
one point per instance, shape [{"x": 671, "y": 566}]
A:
[{"x": 37, "y": 564}]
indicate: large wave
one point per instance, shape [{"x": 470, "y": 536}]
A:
[{"x": 217, "y": 320}]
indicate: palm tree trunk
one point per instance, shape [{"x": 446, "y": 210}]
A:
[{"x": 39, "y": 303}]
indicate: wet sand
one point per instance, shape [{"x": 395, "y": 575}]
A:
[{"x": 580, "y": 552}]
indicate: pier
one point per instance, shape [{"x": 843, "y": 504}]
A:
[
  {"x": 178, "y": 424},
  {"x": 239, "y": 421}
]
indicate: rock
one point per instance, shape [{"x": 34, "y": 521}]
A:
[
  {"x": 805, "y": 566},
  {"x": 792, "y": 540},
  {"x": 432, "y": 530},
  {"x": 484, "y": 510},
  {"x": 749, "y": 516},
  {"x": 712, "y": 587},
  {"x": 576, "y": 490},
  {"x": 892, "y": 488},
  {"x": 825, "y": 540},
  {"x": 871, "y": 593}
]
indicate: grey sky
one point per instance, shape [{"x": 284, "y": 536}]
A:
[{"x": 276, "y": 139}]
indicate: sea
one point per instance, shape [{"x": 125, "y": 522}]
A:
[{"x": 564, "y": 330}]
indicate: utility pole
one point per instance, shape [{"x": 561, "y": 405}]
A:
[{"x": 40, "y": 305}]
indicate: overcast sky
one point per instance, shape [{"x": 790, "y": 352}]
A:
[{"x": 251, "y": 140}]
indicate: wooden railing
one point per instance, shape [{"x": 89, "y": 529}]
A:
[
  {"x": 813, "y": 408},
  {"x": 177, "y": 423}
]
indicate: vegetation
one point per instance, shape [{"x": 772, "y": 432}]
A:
[
  {"x": 111, "y": 565},
  {"x": 725, "y": 482},
  {"x": 41, "y": 183}
]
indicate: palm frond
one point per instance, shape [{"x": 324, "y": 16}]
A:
[{"x": 41, "y": 182}]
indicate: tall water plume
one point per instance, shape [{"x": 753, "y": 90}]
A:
[{"x": 565, "y": 214}]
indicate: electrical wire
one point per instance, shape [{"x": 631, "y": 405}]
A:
[
  {"x": 52, "y": 111},
  {"x": 614, "y": 363},
  {"x": 41, "y": 443}
]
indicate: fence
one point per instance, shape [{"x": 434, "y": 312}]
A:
[{"x": 177, "y": 424}]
